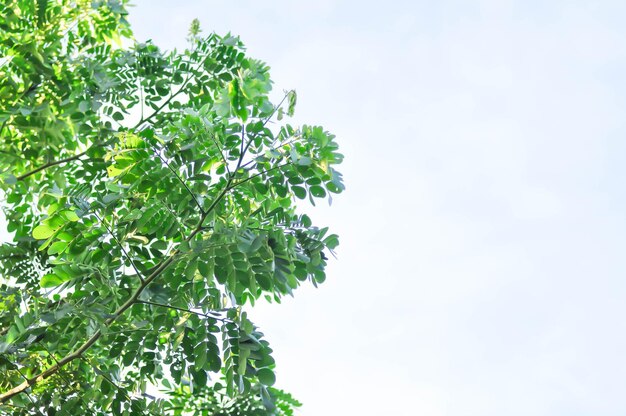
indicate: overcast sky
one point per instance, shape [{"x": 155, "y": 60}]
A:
[{"x": 482, "y": 266}]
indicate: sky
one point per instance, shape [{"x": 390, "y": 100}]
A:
[{"x": 481, "y": 267}]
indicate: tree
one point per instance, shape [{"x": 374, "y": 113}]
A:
[{"x": 150, "y": 197}]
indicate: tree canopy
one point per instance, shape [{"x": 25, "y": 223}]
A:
[{"x": 150, "y": 196}]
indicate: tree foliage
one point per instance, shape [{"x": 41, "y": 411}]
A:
[{"x": 150, "y": 195}]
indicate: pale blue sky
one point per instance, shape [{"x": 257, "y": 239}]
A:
[{"x": 482, "y": 267}]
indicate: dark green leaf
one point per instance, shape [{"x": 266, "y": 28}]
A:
[{"x": 266, "y": 376}]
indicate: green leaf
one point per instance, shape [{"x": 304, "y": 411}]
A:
[
  {"x": 305, "y": 161},
  {"x": 51, "y": 280},
  {"x": 293, "y": 97},
  {"x": 332, "y": 241},
  {"x": 243, "y": 361},
  {"x": 42, "y": 232},
  {"x": 41, "y": 12},
  {"x": 57, "y": 247},
  {"x": 200, "y": 355},
  {"x": 160, "y": 245},
  {"x": 191, "y": 268},
  {"x": 177, "y": 160},
  {"x": 70, "y": 216},
  {"x": 298, "y": 191},
  {"x": 199, "y": 377},
  {"x": 230, "y": 40},
  {"x": 261, "y": 188},
  {"x": 257, "y": 243},
  {"x": 317, "y": 191},
  {"x": 266, "y": 376}
]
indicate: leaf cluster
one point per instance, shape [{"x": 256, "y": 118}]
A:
[{"x": 152, "y": 196}]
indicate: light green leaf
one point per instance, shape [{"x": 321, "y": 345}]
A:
[
  {"x": 42, "y": 232},
  {"x": 57, "y": 247},
  {"x": 243, "y": 361},
  {"x": 292, "y": 97},
  {"x": 70, "y": 216},
  {"x": 52, "y": 280}
]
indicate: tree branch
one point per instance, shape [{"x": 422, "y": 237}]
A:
[
  {"x": 67, "y": 381},
  {"x": 248, "y": 163},
  {"x": 247, "y": 146},
  {"x": 261, "y": 173},
  {"x": 114, "y": 384},
  {"x": 275, "y": 109},
  {"x": 141, "y": 121},
  {"x": 132, "y": 263},
  {"x": 219, "y": 149},
  {"x": 50, "y": 164},
  {"x": 181, "y": 181},
  {"x": 61, "y": 161},
  {"x": 145, "y": 302},
  {"x": 171, "y": 97},
  {"x": 27, "y": 393},
  {"x": 158, "y": 109},
  {"x": 107, "y": 378},
  {"x": 242, "y": 150},
  {"x": 77, "y": 353}
]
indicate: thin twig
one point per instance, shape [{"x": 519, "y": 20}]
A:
[
  {"x": 221, "y": 152},
  {"x": 158, "y": 109},
  {"x": 275, "y": 109},
  {"x": 170, "y": 98},
  {"x": 125, "y": 331},
  {"x": 49, "y": 164},
  {"x": 61, "y": 161},
  {"x": 108, "y": 379},
  {"x": 27, "y": 393},
  {"x": 121, "y": 247},
  {"x": 273, "y": 148},
  {"x": 140, "y": 86},
  {"x": 145, "y": 302},
  {"x": 78, "y": 353},
  {"x": 247, "y": 146},
  {"x": 262, "y": 173},
  {"x": 169, "y": 210},
  {"x": 180, "y": 180},
  {"x": 69, "y": 383},
  {"x": 242, "y": 151}
]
